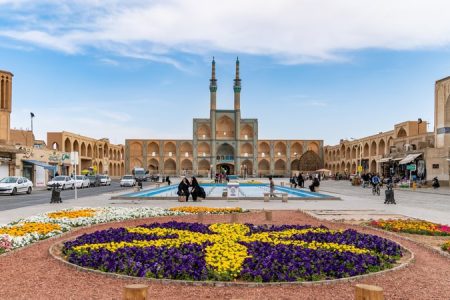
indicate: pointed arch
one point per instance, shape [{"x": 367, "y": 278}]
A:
[
  {"x": 203, "y": 167},
  {"x": 170, "y": 167},
  {"x": 295, "y": 165},
  {"x": 246, "y": 150},
  {"x": 401, "y": 133},
  {"x": 366, "y": 150},
  {"x": 247, "y": 166},
  {"x": 153, "y": 149},
  {"x": 280, "y": 167},
  {"x": 67, "y": 145},
  {"x": 264, "y": 149},
  {"x": 203, "y": 132},
  {"x": 135, "y": 163},
  {"x": 296, "y": 149},
  {"x": 170, "y": 149},
  {"x": 83, "y": 149},
  {"x": 204, "y": 149},
  {"x": 381, "y": 147},
  {"x": 373, "y": 148},
  {"x": 136, "y": 149},
  {"x": 153, "y": 165},
  {"x": 225, "y": 128},
  {"x": 186, "y": 165},
  {"x": 246, "y": 132},
  {"x": 353, "y": 152},
  {"x": 313, "y": 146},
  {"x": 186, "y": 149},
  {"x": 264, "y": 167},
  {"x": 280, "y": 149}
]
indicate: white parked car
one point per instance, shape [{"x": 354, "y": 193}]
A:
[
  {"x": 128, "y": 180},
  {"x": 64, "y": 182},
  {"x": 105, "y": 180},
  {"x": 82, "y": 182},
  {"x": 13, "y": 185}
]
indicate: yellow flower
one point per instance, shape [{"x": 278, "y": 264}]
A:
[
  {"x": 226, "y": 254},
  {"x": 26, "y": 228},
  {"x": 72, "y": 214}
]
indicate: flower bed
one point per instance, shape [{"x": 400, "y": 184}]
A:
[
  {"x": 42, "y": 226},
  {"x": 193, "y": 251},
  {"x": 412, "y": 226},
  {"x": 446, "y": 246},
  {"x": 206, "y": 210},
  {"x": 89, "y": 216}
]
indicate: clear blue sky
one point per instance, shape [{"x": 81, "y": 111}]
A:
[{"x": 141, "y": 69}]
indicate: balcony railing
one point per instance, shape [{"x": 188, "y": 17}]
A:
[{"x": 225, "y": 158}]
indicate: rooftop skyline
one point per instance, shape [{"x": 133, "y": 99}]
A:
[{"x": 142, "y": 69}]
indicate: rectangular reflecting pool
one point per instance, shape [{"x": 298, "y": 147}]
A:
[{"x": 215, "y": 191}]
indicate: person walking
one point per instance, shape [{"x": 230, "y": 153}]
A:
[
  {"x": 301, "y": 180},
  {"x": 293, "y": 181},
  {"x": 271, "y": 187},
  {"x": 168, "y": 180}
]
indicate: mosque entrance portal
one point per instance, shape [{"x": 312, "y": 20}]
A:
[{"x": 225, "y": 169}]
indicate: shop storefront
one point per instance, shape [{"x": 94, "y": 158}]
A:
[
  {"x": 7, "y": 160},
  {"x": 38, "y": 172}
]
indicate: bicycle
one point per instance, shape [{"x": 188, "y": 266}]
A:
[{"x": 376, "y": 190}]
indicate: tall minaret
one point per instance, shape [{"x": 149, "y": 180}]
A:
[
  {"x": 237, "y": 88},
  {"x": 213, "y": 85}
]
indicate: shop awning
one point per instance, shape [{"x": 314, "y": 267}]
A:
[
  {"x": 409, "y": 158},
  {"x": 386, "y": 159},
  {"x": 40, "y": 164}
]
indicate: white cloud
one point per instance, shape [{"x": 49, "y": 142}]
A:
[{"x": 293, "y": 31}]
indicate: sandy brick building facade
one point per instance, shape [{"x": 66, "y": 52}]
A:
[
  {"x": 100, "y": 154},
  {"x": 224, "y": 142},
  {"x": 408, "y": 143}
]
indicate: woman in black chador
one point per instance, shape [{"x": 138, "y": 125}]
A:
[
  {"x": 196, "y": 190},
  {"x": 183, "y": 188}
]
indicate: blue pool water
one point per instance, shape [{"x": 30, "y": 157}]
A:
[{"x": 215, "y": 190}]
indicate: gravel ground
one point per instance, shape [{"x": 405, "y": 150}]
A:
[{"x": 32, "y": 273}]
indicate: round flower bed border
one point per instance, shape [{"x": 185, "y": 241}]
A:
[{"x": 55, "y": 251}]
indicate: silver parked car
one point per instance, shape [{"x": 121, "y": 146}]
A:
[
  {"x": 64, "y": 182},
  {"x": 14, "y": 184},
  {"x": 82, "y": 182},
  {"x": 128, "y": 180}
]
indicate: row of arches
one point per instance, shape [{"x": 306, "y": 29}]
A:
[
  {"x": 356, "y": 151},
  {"x": 169, "y": 165},
  {"x": 309, "y": 161},
  {"x": 280, "y": 148},
  {"x": 204, "y": 149},
  {"x": 153, "y": 149},
  {"x": 225, "y": 129},
  {"x": 350, "y": 168},
  {"x": 113, "y": 169},
  {"x": 91, "y": 150}
]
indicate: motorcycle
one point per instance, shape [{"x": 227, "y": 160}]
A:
[{"x": 435, "y": 183}]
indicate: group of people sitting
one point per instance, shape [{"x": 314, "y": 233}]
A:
[
  {"x": 192, "y": 188},
  {"x": 299, "y": 181}
]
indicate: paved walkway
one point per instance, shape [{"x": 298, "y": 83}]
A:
[{"x": 431, "y": 206}]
